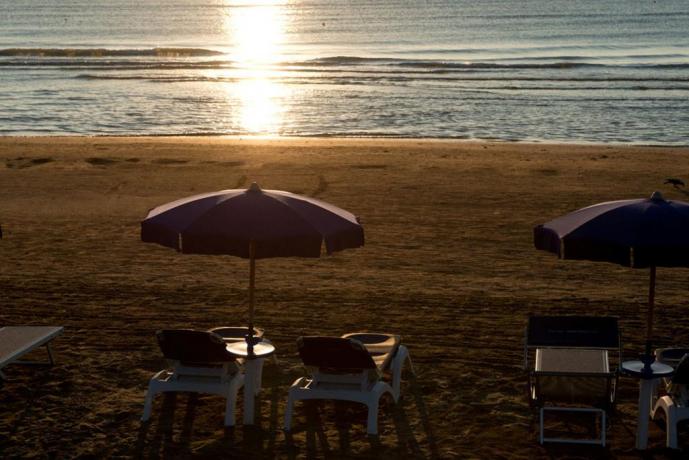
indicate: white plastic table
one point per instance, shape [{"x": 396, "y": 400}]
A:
[
  {"x": 253, "y": 370},
  {"x": 647, "y": 385}
]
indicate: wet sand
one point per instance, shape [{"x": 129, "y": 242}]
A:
[{"x": 448, "y": 264}]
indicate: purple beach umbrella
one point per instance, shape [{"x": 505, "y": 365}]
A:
[
  {"x": 253, "y": 224},
  {"x": 642, "y": 233}
]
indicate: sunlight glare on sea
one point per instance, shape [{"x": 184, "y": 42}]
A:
[{"x": 256, "y": 35}]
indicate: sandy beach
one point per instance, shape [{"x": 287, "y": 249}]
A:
[{"x": 448, "y": 264}]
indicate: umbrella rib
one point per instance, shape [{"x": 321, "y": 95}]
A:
[
  {"x": 318, "y": 204},
  {"x": 282, "y": 203},
  {"x": 183, "y": 202},
  {"x": 222, "y": 200},
  {"x": 298, "y": 214}
]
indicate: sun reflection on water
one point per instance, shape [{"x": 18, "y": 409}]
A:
[{"x": 256, "y": 34}]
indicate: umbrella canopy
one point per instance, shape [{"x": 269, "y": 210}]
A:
[
  {"x": 252, "y": 223},
  {"x": 638, "y": 233},
  {"x": 641, "y": 233},
  {"x": 279, "y": 224}
]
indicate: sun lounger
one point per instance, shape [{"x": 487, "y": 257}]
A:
[
  {"x": 350, "y": 368},
  {"x": 675, "y": 405},
  {"x": 571, "y": 371},
  {"x": 16, "y": 341},
  {"x": 201, "y": 364}
]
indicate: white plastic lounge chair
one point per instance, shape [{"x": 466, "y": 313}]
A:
[
  {"x": 571, "y": 371},
  {"x": 16, "y": 341},
  {"x": 675, "y": 405},
  {"x": 349, "y": 368},
  {"x": 201, "y": 364}
]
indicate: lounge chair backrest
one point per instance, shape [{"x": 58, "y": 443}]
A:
[
  {"x": 679, "y": 384},
  {"x": 681, "y": 375},
  {"x": 189, "y": 346},
  {"x": 334, "y": 353},
  {"x": 573, "y": 332}
]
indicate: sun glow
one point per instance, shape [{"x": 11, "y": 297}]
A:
[
  {"x": 261, "y": 111},
  {"x": 256, "y": 33}
]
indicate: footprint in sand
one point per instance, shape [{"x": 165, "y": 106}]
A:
[
  {"x": 369, "y": 166},
  {"x": 241, "y": 182},
  {"x": 169, "y": 161},
  {"x": 24, "y": 162},
  {"x": 322, "y": 186},
  {"x": 101, "y": 161},
  {"x": 547, "y": 172}
]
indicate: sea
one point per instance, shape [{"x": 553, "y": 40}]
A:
[{"x": 573, "y": 71}]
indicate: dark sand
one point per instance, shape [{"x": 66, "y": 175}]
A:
[{"x": 448, "y": 264}]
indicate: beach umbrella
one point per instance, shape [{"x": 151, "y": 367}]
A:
[
  {"x": 641, "y": 233},
  {"x": 253, "y": 224}
]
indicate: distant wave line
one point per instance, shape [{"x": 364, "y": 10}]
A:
[
  {"x": 107, "y": 52},
  {"x": 375, "y": 76},
  {"x": 420, "y": 66},
  {"x": 164, "y": 59},
  {"x": 508, "y": 61},
  {"x": 344, "y": 80}
]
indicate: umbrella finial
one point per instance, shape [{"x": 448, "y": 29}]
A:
[
  {"x": 254, "y": 187},
  {"x": 657, "y": 196}
]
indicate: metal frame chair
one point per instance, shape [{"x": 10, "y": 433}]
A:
[{"x": 571, "y": 370}]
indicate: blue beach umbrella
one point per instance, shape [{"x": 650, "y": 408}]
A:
[{"x": 642, "y": 233}]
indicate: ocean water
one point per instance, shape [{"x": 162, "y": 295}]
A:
[{"x": 532, "y": 70}]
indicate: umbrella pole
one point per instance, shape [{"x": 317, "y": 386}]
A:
[
  {"x": 252, "y": 277},
  {"x": 651, "y": 302}
]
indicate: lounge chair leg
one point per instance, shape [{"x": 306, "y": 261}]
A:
[
  {"x": 288, "y": 412},
  {"x": 671, "y": 427},
  {"x": 397, "y": 365},
  {"x": 540, "y": 433},
  {"x": 148, "y": 404},
  {"x": 667, "y": 406},
  {"x": 50, "y": 354},
  {"x": 372, "y": 422},
  {"x": 411, "y": 366}
]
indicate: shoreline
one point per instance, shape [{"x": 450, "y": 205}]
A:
[{"x": 270, "y": 138}]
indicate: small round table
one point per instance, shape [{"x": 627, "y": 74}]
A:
[
  {"x": 647, "y": 385},
  {"x": 253, "y": 370}
]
